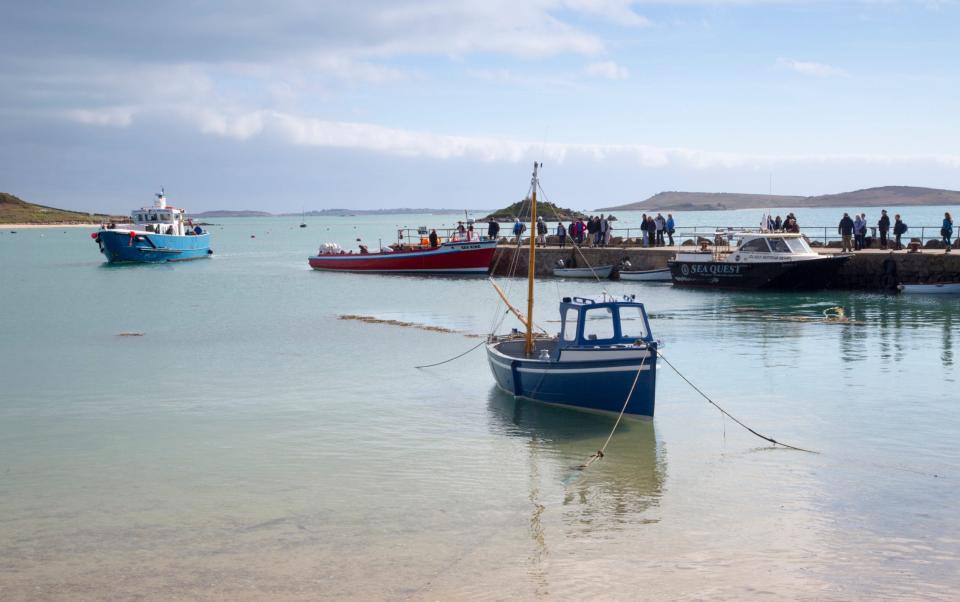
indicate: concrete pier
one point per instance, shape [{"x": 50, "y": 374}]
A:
[{"x": 865, "y": 271}]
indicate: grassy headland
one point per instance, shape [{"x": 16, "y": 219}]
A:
[{"x": 14, "y": 210}]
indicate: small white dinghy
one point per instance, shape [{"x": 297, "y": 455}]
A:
[
  {"x": 661, "y": 275},
  {"x": 601, "y": 271},
  {"x": 944, "y": 288}
]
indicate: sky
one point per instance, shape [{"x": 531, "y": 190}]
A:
[{"x": 310, "y": 104}]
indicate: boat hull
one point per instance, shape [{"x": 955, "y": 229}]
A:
[
  {"x": 147, "y": 247},
  {"x": 448, "y": 258},
  {"x": 946, "y": 288},
  {"x": 601, "y": 272},
  {"x": 597, "y": 385},
  {"x": 662, "y": 275},
  {"x": 808, "y": 274}
]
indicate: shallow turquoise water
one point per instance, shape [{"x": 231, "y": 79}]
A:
[{"x": 251, "y": 445}]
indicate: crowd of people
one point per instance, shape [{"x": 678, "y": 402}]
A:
[
  {"x": 595, "y": 231},
  {"x": 657, "y": 231},
  {"x": 853, "y": 231}
]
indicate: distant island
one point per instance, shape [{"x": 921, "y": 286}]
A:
[
  {"x": 14, "y": 210},
  {"x": 231, "y": 213},
  {"x": 883, "y": 196},
  {"x": 334, "y": 212},
  {"x": 521, "y": 210}
]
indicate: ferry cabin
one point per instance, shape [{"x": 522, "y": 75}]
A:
[{"x": 161, "y": 219}]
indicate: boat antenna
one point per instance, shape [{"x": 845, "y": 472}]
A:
[{"x": 531, "y": 265}]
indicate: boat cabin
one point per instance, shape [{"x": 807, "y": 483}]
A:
[
  {"x": 754, "y": 247},
  {"x": 161, "y": 218},
  {"x": 605, "y": 322}
]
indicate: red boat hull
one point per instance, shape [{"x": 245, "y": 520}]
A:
[{"x": 448, "y": 258}]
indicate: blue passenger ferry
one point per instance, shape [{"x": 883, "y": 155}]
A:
[
  {"x": 155, "y": 234},
  {"x": 605, "y": 357}
]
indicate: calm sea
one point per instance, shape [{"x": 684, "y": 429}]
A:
[{"x": 251, "y": 445}]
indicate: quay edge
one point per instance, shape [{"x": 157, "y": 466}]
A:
[{"x": 866, "y": 271}]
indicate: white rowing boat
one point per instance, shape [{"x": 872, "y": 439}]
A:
[
  {"x": 661, "y": 275},
  {"x": 601, "y": 271},
  {"x": 944, "y": 288}
]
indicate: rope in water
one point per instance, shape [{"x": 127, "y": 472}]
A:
[
  {"x": 454, "y": 357},
  {"x": 603, "y": 449},
  {"x": 731, "y": 416}
]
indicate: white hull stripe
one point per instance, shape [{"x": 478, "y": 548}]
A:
[{"x": 560, "y": 370}]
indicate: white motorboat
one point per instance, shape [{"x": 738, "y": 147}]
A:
[
  {"x": 661, "y": 275},
  {"x": 943, "y": 288},
  {"x": 601, "y": 271}
]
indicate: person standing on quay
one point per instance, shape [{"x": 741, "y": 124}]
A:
[
  {"x": 643, "y": 229},
  {"x": 517, "y": 229},
  {"x": 541, "y": 232},
  {"x": 561, "y": 235},
  {"x": 898, "y": 229},
  {"x": 493, "y": 229},
  {"x": 883, "y": 226},
  {"x": 859, "y": 227},
  {"x": 846, "y": 231},
  {"x": 661, "y": 225},
  {"x": 604, "y": 230},
  {"x": 947, "y": 231},
  {"x": 670, "y": 227}
]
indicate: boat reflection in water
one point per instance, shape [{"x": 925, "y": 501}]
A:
[{"x": 621, "y": 488}]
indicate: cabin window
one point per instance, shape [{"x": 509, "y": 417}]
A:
[
  {"x": 798, "y": 245},
  {"x": 778, "y": 245},
  {"x": 632, "y": 324},
  {"x": 598, "y": 325},
  {"x": 757, "y": 245},
  {"x": 570, "y": 318}
]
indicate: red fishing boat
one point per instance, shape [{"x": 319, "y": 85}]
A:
[{"x": 456, "y": 256}]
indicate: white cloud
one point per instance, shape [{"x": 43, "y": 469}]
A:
[
  {"x": 307, "y": 131},
  {"x": 608, "y": 69},
  {"x": 106, "y": 116},
  {"x": 810, "y": 68}
]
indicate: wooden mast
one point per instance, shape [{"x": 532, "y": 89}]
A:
[{"x": 528, "y": 348}]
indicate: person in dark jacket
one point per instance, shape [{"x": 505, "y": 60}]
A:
[
  {"x": 561, "y": 235},
  {"x": 493, "y": 229},
  {"x": 883, "y": 226},
  {"x": 846, "y": 231},
  {"x": 777, "y": 224},
  {"x": 643, "y": 229},
  {"x": 946, "y": 231},
  {"x": 434, "y": 239},
  {"x": 899, "y": 228}
]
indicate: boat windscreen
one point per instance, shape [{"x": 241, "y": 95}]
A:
[
  {"x": 779, "y": 245},
  {"x": 598, "y": 325},
  {"x": 632, "y": 324},
  {"x": 570, "y": 324},
  {"x": 798, "y": 245}
]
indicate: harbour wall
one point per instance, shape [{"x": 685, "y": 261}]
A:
[{"x": 866, "y": 270}]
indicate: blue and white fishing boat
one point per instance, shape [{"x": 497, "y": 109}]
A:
[
  {"x": 604, "y": 359},
  {"x": 155, "y": 234}
]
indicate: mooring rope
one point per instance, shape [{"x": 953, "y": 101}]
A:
[
  {"x": 731, "y": 416},
  {"x": 455, "y": 357},
  {"x": 600, "y": 452}
]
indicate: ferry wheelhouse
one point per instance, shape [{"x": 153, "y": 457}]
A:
[
  {"x": 756, "y": 260},
  {"x": 155, "y": 234}
]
